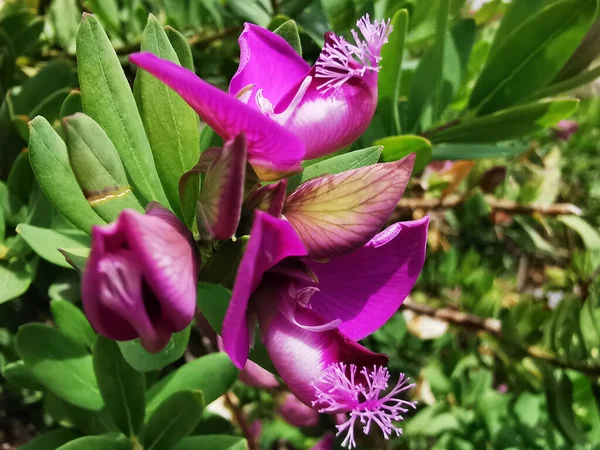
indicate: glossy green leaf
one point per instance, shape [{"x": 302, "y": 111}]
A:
[
  {"x": 507, "y": 124},
  {"x": 171, "y": 124},
  {"x": 390, "y": 75},
  {"x": 585, "y": 54},
  {"x": 212, "y": 374},
  {"x": 107, "y": 98},
  {"x": 75, "y": 257},
  {"x": 107, "y": 12},
  {"x": 18, "y": 375},
  {"x": 121, "y": 386},
  {"x": 174, "y": 419},
  {"x": 142, "y": 361},
  {"x": 397, "y": 147},
  {"x": 72, "y": 322},
  {"x": 46, "y": 242},
  {"x": 337, "y": 164},
  {"x": 86, "y": 421},
  {"x": 455, "y": 152},
  {"x": 15, "y": 277},
  {"x": 51, "y": 440},
  {"x": 181, "y": 47},
  {"x": 213, "y": 301},
  {"x": 216, "y": 442},
  {"x": 566, "y": 85},
  {"x": 532, "y": 55},
  {"x": 50, "y": 163},
  {"x": 517, "y": 13},
  {"x": 60, "y": 364},
  {"x": 289, "y": 31},
  {"x": 95, "y": 443},
  {"x": 98, "y": 168}
]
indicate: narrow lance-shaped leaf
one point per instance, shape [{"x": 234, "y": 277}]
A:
[
  {"x": 108, "y": 99},
  {"x": 532, "y": 55},
  {"x": 181, "y": 47},
  {"x": 171, "y": 125},
  {"x": 50, "y": 163},
  {"x": 289, "y": 31},
  {"x": 72, "y": 322},
  {"x": 98, "y": 168},
  {"x": 397, "y": 147},
  {"x": 220, "y": 200},
  {"x": 336, "y": 214},
  {"x": 121, "y": 386}
]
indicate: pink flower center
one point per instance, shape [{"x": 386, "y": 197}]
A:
[
  {"x": 340, "y": 390},
  {"x": 340, "y": 61}
]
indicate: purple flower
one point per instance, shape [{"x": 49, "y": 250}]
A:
[
  {"x": 326, "y": 442},
  {"x": 565, "y": 129},
  {"x": 297, "y": 413},
  {"x": 140, "y": 278},
  {"x": 287, "y": 110}
]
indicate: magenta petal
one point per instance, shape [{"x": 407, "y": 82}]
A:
[
  {"x": 365, "y": 288},
  {"x": 326, "y": 442},
  {"x": 254, "y": 375},
  {"x": 337, "y": 214},
  {"x": 297, "y": 413},
  {"x": 220, "y": 200},
  {"x": 269, "y": 198},
  {"x": 140, "y": 279},
  {"x": 301, "y": 356},
  {"x": 268, "y": 62},
  {"x": 271, "y": 241},
  {"x": 271, "y": 148}
]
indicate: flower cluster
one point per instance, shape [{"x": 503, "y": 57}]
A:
[{"x": 317, "y": 273}]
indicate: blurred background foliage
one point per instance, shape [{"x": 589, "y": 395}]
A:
[{"x": 500, "y": 101}]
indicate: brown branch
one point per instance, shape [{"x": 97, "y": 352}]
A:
[
  {"x": 497, "y": 204},
  {"x": 494, "y": 327},
  {"x": 240, "y": 418}
]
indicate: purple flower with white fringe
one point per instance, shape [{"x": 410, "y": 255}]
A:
[{"x": 287, "y": 110}]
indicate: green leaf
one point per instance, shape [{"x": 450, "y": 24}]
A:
[
  {"x": 518, "y": 11},
  {"x": 142, "y": 361},
  {"x": 76, "y": 258},
  {"x": 46, "y": 242},
  {"x": 50, "y": 163},
  {"x": 337, "y": 164},
  {"x": 173, "y": 420},
  {"x": 390, "y": 74},
  {"x": 454, "y": 152},
  {"x": 86, "y": 421},
  {"x": 108, "y": 99},
  {"x": 589, "y": 323},
  {"x": 256, "y": 11},
  {"x": 181, "y": 47},
  {"x": 20, "y": 178},
  {"x": 121, "y": 386},
  {"x": 436, "y": 78},
  {"x": 72, "y": 322},
  {"x": 289, "y": 31},
  {"x": 213, "y": 301},
  {"x": 586, "y": 53},
  {"x": 15, "y": 277},
  {"x": 60, "y": 364},
  {"x": 589, "y": 235},
  {"x": 559, "y": 396},
  {"x": 65, "y": 15},
  {"x": 95, "y": 443},
  {"x": 532, "y": 55},
  {"x": 51, "y": 440},
  {"x": 212, "y": 374},
  {"x": 2, "y": 227},
  {"x": 339, "y": 13},
  {"x": 566, "y": 85},
  {"x": 397, "y": 147},
  {"x": 98, "y": 168},
  {"x": 17, "y": 374},
  {"x": 107, "y": 12},
  {"x": 216, "y": 442},
  {"x": 171, "y": 124},
  {"x": 507, "y": 124},
  {"x": 72, "y": 104}
]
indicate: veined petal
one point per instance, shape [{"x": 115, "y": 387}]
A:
[
  {"x": 220, "y": 201},
  {"x": 365, "y": 288},
  {"x": 272, "y": 149},
  {"x": 302, "y": 356},
  {"x": 271, "y": 241},
  {"x": 269, "y": 63},
  {"x": 336, "y": 214}
]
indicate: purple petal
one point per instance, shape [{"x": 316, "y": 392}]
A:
[
  {"x": 301, "y": 356},
  {"x": 336, "y": 214},
  {"x": 220, "y": 199},
  {"x": 271, "y": 241},
  {"x": 267, "y": 62},
  {"x": 140, "y": 279},
  {"x": 272, "y": 149},
  {"x": 365, "y": 288},
  {"x": 297, "y": 413},
  {"x": 254, "y": 375},
  {"x": 269, "y": 198},
  {"x": 326, "y": 442}
]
